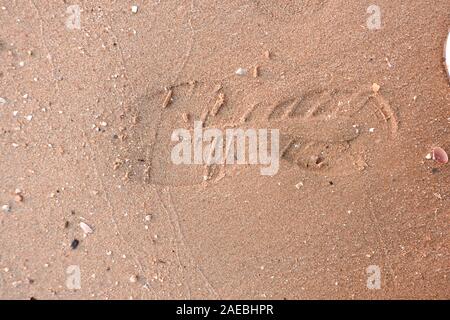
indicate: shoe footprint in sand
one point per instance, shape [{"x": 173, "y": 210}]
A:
[{"x": 320, "y": 129}]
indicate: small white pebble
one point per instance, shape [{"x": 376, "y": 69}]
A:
[
  {"x": 2, "y": 100},
  {"x": 21, "y": 63},
  {"x": 29, "y": 117},
  {"x": 241, "y": 72},
  {"x": 134, "y": 9},
  {"x": 6, "y": 208},
  {"x": 133, "y": 279},
  {"x": 429, "y": 156},
  {"x": 372, "y": 130}
]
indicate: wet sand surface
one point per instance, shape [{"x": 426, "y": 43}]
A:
[{"x": 86, "y": 120}]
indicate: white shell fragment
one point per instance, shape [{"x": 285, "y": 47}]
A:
[
  {"x": 447, "y": 55},
  {"x": 86, "y": 229}
]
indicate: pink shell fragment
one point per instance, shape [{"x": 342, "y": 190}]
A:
[{"x": 440, "y": 155}]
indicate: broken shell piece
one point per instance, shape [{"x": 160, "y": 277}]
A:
[
  {"x": 439, "y": 155},
  {"x": 447, "y": 55},
  {"x": 86, "y": 229}
]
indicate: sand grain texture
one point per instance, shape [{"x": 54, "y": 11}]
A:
[{"x": 86, "y": 117}]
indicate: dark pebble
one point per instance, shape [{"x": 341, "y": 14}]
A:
[{"x": 74, "y": 244}]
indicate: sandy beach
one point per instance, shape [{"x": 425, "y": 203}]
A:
[{"x": 93, "y": 207}]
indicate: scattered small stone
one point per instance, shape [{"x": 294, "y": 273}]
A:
[
  {"x": 86, "y": 228},
  {"x": 74, "y": 244},
  {"x": 371, "y": 130},
  {"x": 18, "y": 198},
  {"x": 2, "y": 100},
  {"x": 218, "y": 104},
  {"x": 167, "y": 99},
  {"x": 134, "y": 9},
  {"x": 388, "y": 62},
  {"x": 133, "y": 279},
  {"x": 298, "y": 185},
  {"x": 6, "y": 208},
  {"x": 29, "y": 117},
  {"x": 241, "y": 72},
  {"x": 429, "y": 156},
  {"x": 375, "y": 87},
  {"x": 186, "y": 117},
  {"x": 360, "y": 164},
  {"x": 439, "y": 155},
  {"x": 437, "y": 195},
  {"x": 255, "y": 71}
]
